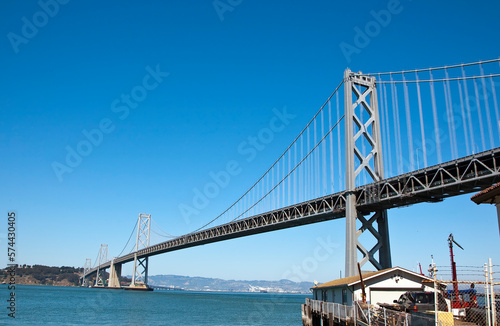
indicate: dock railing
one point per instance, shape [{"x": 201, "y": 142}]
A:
[
  {"x": 368, "y": 315},
  {"x": 340, "y": 312}
]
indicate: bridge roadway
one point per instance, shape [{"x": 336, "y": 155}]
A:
[{"x": 465, "y": 175}]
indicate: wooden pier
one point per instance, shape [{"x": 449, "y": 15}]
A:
[{"x": 320, "y": 313}]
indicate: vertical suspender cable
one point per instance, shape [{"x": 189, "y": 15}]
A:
[
  {"x": 293, "y": 181},
  {"x": 435, "y": 117},
  {"x": 332, "y": 175},
  {"x": 388, "y": 143},
  {"x": 280, "y": 178},
  {"x": 449, "y": 114},
  {"x": 324, "y": 177},
  {"x": 254, "y": 198},
  {"x": 495, "y": 103},
  {"x": 480, "y": 116},
  {"x": 409, "y": 133},
  {"x": 383, "y": 130},
  {"x": 283, "y": 188},
  {"x": 469, "y": 116},
  {"x": 452, "y": 118},
  {"x": 396, "y": 126},
  {"x": 339, "y": 147},
  {"x": 263, "y": 191},
  {"x": 288, "y": 195},
  {"x": 261, "y": 194},
  {"x": 306, "y": 169},
  {"x": 294, "y": 176},
  {"x": 464, "y": 119},
  {"x": 421, "y": 116},
  {"x": 447, "y": 105},
  {"x": 302, "y": 172},
  {"x": 315, "y": 167},
  {"x": 279, "y": 190},
  {"x": 487, "y": 107},
  {"x": 266, "y": 191},
  {"x": 275, "y": 197},
  {"x": 286, "y": 187}
]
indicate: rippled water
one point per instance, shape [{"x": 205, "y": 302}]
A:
[{"x": 44, "y": 305}]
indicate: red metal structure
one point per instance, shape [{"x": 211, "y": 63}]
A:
[{"x": 455, "y": 298}]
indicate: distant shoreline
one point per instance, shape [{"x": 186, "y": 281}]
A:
[
  {"x": 176, "y": 291},
  {"x": 71, "y": 277}
]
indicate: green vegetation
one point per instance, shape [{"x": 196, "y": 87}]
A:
[{"x": 45, "y": 275}]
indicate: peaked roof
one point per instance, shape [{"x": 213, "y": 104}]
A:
[
  {"x": 489, "y": 195},
  {"x": 347, "y": 281}
]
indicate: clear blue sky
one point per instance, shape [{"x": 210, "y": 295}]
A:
[{"x": 64, "y": 73}]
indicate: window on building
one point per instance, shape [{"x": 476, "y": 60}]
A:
[{"x": 344, "y": 296}]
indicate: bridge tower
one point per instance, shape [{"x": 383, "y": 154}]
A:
[
  {"x": 363, "y": 131},
  {"x": 103, "y": 257},
  {"x": 86, "y": 268},
  {"x": 140, "y": 274}
]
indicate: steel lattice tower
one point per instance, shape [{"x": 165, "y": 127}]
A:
[
  {"x": 363, "y": 131},
  {"x": 103, "y": 258},
  {"x": 86, "y": 268},
  {"x": 140, "y": 274}
]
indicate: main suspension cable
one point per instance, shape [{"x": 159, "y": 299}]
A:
[{"x": 279, "y": 158}]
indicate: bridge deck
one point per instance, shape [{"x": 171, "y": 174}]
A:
[{"x": 432, "y": 184}]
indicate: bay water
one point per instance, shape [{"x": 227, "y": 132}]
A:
[{"x": 47, "y": 305}]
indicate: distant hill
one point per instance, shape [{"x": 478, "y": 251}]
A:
[
  {"x": 216, "y": 284},
  {"x": 44, "y": 275},
  {"x": 70, "y": 276}
]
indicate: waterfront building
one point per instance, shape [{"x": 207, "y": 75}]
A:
[{"x": 383, "y": 286}]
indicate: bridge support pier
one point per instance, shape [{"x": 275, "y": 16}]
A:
[
  {"x": 385, "y": 259},
  {"x": 363, "y": 147},
  {"x": 381, "y": 234},
  {"x": 115, "y": 272}
]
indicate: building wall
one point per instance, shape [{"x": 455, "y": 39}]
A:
[
  {"x": 389, "y": 287},
  {"x": 338, "y": 295},
  {"x": 383, "y": 288}
]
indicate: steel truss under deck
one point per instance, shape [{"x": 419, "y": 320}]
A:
[{"x": 433, "y": 184}]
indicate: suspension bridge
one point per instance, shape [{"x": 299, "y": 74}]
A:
[{"x": 400, "y": 138}]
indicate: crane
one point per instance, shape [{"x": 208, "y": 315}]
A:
[{"x": 455, "y": 299}]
